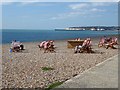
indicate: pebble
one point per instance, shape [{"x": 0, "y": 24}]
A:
[{"x": 26, "y": 68}]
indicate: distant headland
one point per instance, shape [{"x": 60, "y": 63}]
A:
[{"x": 92, "y": 28}]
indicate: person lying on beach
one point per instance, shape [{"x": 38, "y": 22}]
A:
[{"x": 86, "y": 46}]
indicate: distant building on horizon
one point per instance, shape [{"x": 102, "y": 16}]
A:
[{"x": 92, "y": 28}]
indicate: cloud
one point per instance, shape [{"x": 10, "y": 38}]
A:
[
  {"x": 78, "y": 6},
  {"x": 37, "y": 4},
  {"x": 97, "y": 10},
  {"x": 88, "y": 5},
  {"x": 26, "y": 2},
  {"x": 83, "y": 9},
  {"x": 60, "y": 16},
  {"x": 67, "y": 15},
  {"x": 99, "y": 4}
]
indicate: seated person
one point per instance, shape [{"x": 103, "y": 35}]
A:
[
  {"x": 77, "y": 49},
  {"x": 42, "y": 44},
  {"x": 115, "y": 40},
  {"x": 112, "y": 43},
  {"x": 108, "y": 39},
  {"x": 49, "y": 46},
  {"x": 16, "y": 45},
  {"x": 103, "y": 41},
  {"x": 78, "y": 39},
  {"x": 52, "y": 44},
  {"x": 86, "y": 45},
  {"x": 46, "y": 46}
]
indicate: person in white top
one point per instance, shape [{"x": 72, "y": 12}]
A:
[
  {"x": 86, "y": 45},
  {"x": 41, "y": 45},
  {"x": 17, "y": 45}
]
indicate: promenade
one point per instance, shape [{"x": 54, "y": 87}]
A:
[{"x": 104, "y": 75}]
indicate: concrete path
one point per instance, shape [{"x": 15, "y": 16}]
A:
[{"x": 104, "y": 75}]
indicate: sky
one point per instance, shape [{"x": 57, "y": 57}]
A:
[{"x": 51, "y": 15}]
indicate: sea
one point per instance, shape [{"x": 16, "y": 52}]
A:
[{"x": 39, "y": 35}]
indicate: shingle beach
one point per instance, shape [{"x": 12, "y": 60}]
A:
[{"x": 24, "y": 69}]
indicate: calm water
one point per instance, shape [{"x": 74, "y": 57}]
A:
[{"x": 39, "y": 35}]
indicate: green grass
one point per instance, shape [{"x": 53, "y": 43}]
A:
[
  {"x": 53, "y": 85},
  {"x": 47, "y": 68}
]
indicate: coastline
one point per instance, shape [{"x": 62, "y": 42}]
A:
[
  {"x": 23, "y": 70},
  {"x": 40, "y": 35},
  {"x": 93, "y": 37}
]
